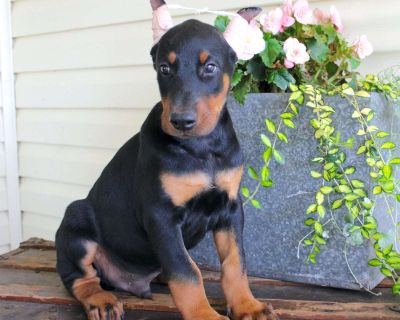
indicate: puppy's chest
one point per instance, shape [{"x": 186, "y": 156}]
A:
[{"x": 183, "y": 188}]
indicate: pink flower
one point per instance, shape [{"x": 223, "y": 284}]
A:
[
  {"x": 296, "y": 52},
  {"x": 289, "y": 64},
  {"x": 321, "y": 17},
  {"x": 363, "y": 47},
  {"x": 246, "y": 39},
  {"x": 162, "y": 22},
  {"x": 275, "y": 21},
  {"x": 303, "y": 13},
  {"x": 288, "y": 7},
  {"x": 335, "y": 19}
]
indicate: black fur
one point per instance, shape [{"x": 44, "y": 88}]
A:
[{"x": 127, "y": 212}]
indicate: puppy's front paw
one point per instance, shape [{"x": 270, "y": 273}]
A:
[
  {"x": 103, "y": 305},
  {"x": 253, "y": 309}
]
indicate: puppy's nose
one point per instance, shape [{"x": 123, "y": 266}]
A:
[{"x": 183, "y": 121}]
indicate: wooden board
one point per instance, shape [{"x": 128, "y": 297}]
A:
[{"x": 28, "y": 279}]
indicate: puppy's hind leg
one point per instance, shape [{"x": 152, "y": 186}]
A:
[{"x": 76, "y": 251}]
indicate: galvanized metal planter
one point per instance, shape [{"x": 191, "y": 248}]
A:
[{"x": 272, "y": 234}]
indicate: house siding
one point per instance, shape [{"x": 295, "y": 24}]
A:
[{"x": 85, "y": 83}]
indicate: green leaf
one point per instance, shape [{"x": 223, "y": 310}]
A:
[
  {"x": 237, "y": 76},
  {"x": 315, "y": 174},
  {"x": 287, "y": 115},
  {"x": 319, "y": 197},
  {"x": 256, "y": 204},
  {"x": 295, "y": 95},
  {"x": 265, "y": 140},
  {"x": 387, "y": 171},
  {"x": 350, "y": 170},
  {"x": 267, "y": 183},
  {"x": 271, "y": 52},
  {"x": 386, "y": 272},
  {"x": 281, "y": 78},
  {"x": 357, "y": 183},
  {"x": 318, "y": 50},
  {"x": 221, "y": 22},
  {"x": 267, "y": 155},
  {"x": 256, "y": 68},
  {"x": 245, "y": 192},
  {"x": 289, "y": 123},
  {"x": 318, "y": 228},
  {"x": 252, "y": 173},
  {"x": 326, "y": 189},
  {"x": 241, "y": 90},
  {"x": 264, "y": 173},
  {"x": 309, "y": 221},
  {"x": 282, "y": 137},
  {"x": 270, "y": 125},
  {"x": 388, "y": 187},
  {"x": 382, "y": 134},
  {"x": 344, "y": 188},
  {"x": 312, "y": 208},
  {"x": 361, "y": 149},
  {"x": 395, "y": 161},
  {"x": 355, "y": 62},
  {"x": 388, "y": 145},
  {"x": 337, "y": 204},
  {"x": 377, "y": 190},
  {"x": 393, "y": 260},
  {"x": 374, "y": 262},
  {"x": 278, "y": 157},
  {"x": 321, "y": 211}
]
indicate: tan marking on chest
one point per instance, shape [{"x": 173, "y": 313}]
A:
[
  {"x": 229, "y": 180},
  {"x": 182, "y": 188}
]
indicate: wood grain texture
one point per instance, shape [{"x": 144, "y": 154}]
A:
[{"x": 27, "y": 276}]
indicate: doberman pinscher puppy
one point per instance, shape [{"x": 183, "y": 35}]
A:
[{"x": 164, "y": 189}]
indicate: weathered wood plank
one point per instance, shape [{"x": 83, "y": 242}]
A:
[
  {"x": 12, "y": 310},
  {"x": 25, "y": 259}
]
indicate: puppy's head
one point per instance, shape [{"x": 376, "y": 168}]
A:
[{"x": 194, "y": 65}]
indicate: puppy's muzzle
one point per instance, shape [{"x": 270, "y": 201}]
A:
[{"x": 184, "y": 121}]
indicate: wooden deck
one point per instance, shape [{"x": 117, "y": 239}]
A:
[{"x": 30, "y": 289}]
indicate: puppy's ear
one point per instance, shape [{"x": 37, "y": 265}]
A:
[
  {"x": 162, "y": 20},
  {"x": 153, "y": 53},
  {"x": 233, "y": 58}
]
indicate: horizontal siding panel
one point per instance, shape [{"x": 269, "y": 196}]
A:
[
  {"x": 4, "y": 229},
  {"x": 129, "y": 44},
  {"x": 380, "y": 61},
  {"x": 39, "y": 225},
  {"x": 63, "y": 164},
  {"x": 44, "y": 16},
  {"x": 4, "y": 249},
  {"x": 3, "y": 195},
  {"x": 93, "y": 128},
  {"x": 131, "y": 87},
  {"x": 1, "y": 125},
  {"x": 120, "y": 45},
  {"x": 49, "y": 198},
  {"x": 2, "y": 161}
]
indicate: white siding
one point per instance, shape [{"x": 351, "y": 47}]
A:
[
  {"x": 4, "y": 222},
  {"x": 85, "y": 83}
]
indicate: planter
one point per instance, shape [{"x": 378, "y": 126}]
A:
[{"x": 272, "y": 234}]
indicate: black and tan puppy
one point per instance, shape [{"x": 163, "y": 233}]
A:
[{"x": 165, "y": 188}]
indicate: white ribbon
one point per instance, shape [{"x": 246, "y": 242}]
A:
[{"x": 201, "y": 10}]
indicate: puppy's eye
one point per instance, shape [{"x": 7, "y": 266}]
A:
[
  {"x": 165, "y": 70},
  {"x": 210, "y": 68}
]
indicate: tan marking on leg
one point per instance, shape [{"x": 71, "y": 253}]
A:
[
  {"x": 182, "y": 188},
  {"x": 172, "y": 57},
  {"x": 87, "y": 290},
  {"x": 203, "y": 57},
  {"x": 228, "y": 180},
  {"x": 209, "y": 109},
  {"x": 234, "y": 279},
  {"x": 190, "y": 298}
]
